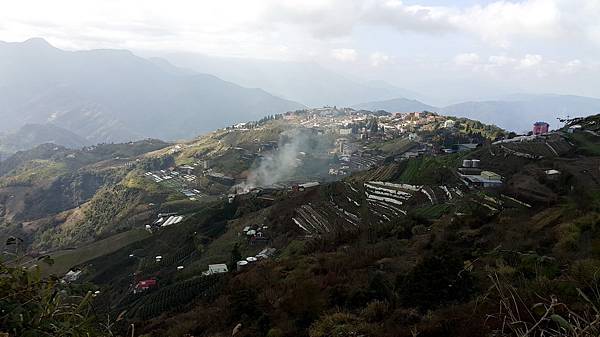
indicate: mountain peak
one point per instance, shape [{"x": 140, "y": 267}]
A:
[
  {"x": 400, "y": 104},
  {"x": 37, "y": 42}
]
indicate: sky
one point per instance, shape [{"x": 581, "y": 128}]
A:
[{"x": 450, "y": 49}]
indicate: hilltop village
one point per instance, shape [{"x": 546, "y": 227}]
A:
[{"x": 336, "y": 142}]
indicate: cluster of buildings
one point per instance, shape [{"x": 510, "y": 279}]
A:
[
  {"x": 257, "y": 234},
  {"x": 161, "y": 175},
  {"x": 179, "y": 177},
  {"x": 213, "y": 269},
  {"x": 263, "y": 254},
  {"x": 472, "y": 174},
  {"x": 221, "y": 178},
  {"x": 355, "y": 132},
  {"x": 165, "y": 220}
]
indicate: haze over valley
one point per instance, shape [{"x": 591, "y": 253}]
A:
[{"x": 115, "y": 96}]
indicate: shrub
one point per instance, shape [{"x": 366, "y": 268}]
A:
[
  {"x": 406, "y": 316},
  {"x": 375, "y": 311},
  {"x": 419, "y": 230},
  {"x": 36, "y": 306},
  {"x": 339, "y": 324},
  {"x": 435, "y": 281},
  {"x": 568, "y": 237},
  {"x": 357, "y": 298},
  {"x": 586, "y": 273},
  {"x": 275, "y": 332}
]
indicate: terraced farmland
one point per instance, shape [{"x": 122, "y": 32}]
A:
[
  {"x": 554, "y": 146},
  {"x": 387, "y": 200},
  {"x": 383, "y": 201}
]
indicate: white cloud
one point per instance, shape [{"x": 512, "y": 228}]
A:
[
  {"x": 467, "y": 59},
  {"x": 530, "y": 61},
  {"x": 430, "y": 19},
  {"x": 527, "y": 65},
  {"x": 252, "y": 27},
  {"x": 572, "y": 67},
  {"x": 501, "y": 61},
  {"x": 344, "y": 54},
  {"x": 378, "y": 59},
  {"x": 500, "y": 22}
]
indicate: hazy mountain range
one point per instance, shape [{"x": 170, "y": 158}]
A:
[
  {"x": 516, "y": 112},
  {"x": 396, "y": 105},
  {"x": 84, "y": 97},
  {"x": 113, "y": 95},
  {"x": 314, "y": 85},
  {"x": 308, "y": 83},
  {"x": 31, "y": 135}
]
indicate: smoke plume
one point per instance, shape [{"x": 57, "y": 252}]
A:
[{"x": 281, "y": 164}]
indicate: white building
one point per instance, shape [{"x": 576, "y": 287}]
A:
[
  {"x": 72, "y": 275},
  {"x": 449, "y": 123},
  {"x": 216, "y": 269}
]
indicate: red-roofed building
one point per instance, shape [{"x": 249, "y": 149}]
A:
[
  {"x": 145, "y": 285},
  {"x": 540, "y": 128}
]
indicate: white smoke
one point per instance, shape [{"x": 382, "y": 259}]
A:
[{"x": 281, "y": 164}]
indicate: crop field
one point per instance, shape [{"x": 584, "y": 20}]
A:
[
  {"x": 395, "y": 146},
  {"x": 349, "y": 204},
  {"x": 587, "y": 142},
  {"x": 66, "y": 259}
]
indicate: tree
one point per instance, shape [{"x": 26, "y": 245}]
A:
[
  {"x": 243, "y": 303},
  {"x": 335, "y": 159},
  {"x": 236, "y": 256},
  {"x": 36, "y": 306},
  {"x": 435, "y": 281},
  {"x": 374, "y": 126}
]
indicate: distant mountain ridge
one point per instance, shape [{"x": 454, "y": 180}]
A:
[
  {"x": 396, "y": 105},
  {"x": 515, "y": 112},
  {"x": 518, "y": 112},
  {"x": 304, "y": 82},
  {"x": 113, "y": 95},
  {"x": 32, "y": 135}
]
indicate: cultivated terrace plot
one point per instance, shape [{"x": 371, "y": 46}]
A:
[
  {"x": 348, "y": 206},
  {"x": 399, "y": 198}
]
